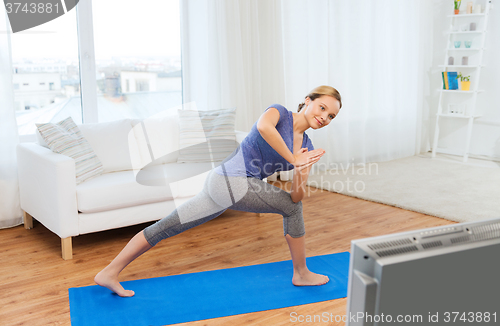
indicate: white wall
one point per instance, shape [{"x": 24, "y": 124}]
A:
[{"x": 486, "y": 131}]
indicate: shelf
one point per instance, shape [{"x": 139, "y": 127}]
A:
[
  {"x": 458, "y": 66},
  {"x": 467, "y": 32},
  {"x": 459, "y": 91},
  {"x": 459, "y": 32},
  {"x": 464, "y": 49},
  {"x": 458, "y": 116},
  {"x": 467, "y": 15}
]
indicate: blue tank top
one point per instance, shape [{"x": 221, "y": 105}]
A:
[{"x": 254, "y": 157}]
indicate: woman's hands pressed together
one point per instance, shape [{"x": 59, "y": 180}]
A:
[{"x": 305, "y": 158}]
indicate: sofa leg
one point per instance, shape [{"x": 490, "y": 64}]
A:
[
  {"x": 28, "y": 221},
  {"x": 259, "y": 214},
  {"x": 67, "y": 248}
]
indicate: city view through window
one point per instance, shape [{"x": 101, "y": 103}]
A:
[{"x": 137, "y": 60}]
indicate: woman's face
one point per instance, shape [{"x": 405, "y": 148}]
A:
[{"x": 320, "y": 112}]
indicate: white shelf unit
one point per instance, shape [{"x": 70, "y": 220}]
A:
[
  {"x": 460, "y": 66},
  {"x": 468, "y": 15},
  {"x": 459, "y": 116},
  {"x": 466, "y": 49},
  {"x": 459, "y": 96},
  {"x": 468, "y": 32},
  {"x": 459, "y": 91}
]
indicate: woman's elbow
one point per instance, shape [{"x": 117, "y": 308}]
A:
[{"x": 262, "y": 128}]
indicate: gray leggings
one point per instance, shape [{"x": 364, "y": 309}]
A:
[{"x": 238, "y": 193}]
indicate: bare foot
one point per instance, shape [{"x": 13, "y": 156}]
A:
[
  {"x": 111, "y": 282},
  {"x": 309, "y": 278}
]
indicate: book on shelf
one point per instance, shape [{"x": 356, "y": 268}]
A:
[{"x": 450, "y": 80}]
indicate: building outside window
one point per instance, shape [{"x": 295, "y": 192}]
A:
[
  {"x": 132, "y": 60},
  {"x": 138, "y": 66},
  {"x": 57, "y": 45}
]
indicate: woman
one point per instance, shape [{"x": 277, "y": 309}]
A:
[{"x": 277, "y": 141}]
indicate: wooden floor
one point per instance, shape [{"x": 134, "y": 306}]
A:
[{"x": 34, "y": 280}]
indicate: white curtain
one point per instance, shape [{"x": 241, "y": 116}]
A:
[
  {"x": 232, "y": 56},
  {"x": 378, "y": 54},
  {"x": 10, "y": 211},
  {"x": 373, "y": 53}
]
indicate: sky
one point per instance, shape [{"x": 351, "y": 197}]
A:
[{"x": 121, "y": 28}]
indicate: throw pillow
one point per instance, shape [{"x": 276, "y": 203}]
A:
[
  {"x": 110, "y": 143},
  {"x": 65, "y": 138},
  {"x": 206, "y": 136},
  {"x": 40, "y": 140}
]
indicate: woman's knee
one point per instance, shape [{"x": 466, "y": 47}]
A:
[
  {"x": 294, "y": 226},
  {"x": 162, "y": 229},
  {"x": 293, "y": 222},
  {"x": 295, "y": 208}
]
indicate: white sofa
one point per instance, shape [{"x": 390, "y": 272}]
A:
[{"x": 49, "y": 192}]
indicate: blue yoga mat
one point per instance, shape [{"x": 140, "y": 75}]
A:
[{"x": 196, "y": 296}]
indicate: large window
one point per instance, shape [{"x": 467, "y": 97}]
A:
[
  {"x": 137, "y": 64},
  {"x": 138, "y": 57},
  {"x": 46, "y": 73}
]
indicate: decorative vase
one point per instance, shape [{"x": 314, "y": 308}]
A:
[
  {"x": 457, "y": 11},
  {"x": 465, "y": 85},
  {"x": 469, "y": 8}
]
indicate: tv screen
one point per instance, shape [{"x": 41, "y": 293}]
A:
[{"x": 447, "y": 275}]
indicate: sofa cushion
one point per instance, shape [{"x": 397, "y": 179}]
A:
[
  {"x": 152, "y": 184},
  {"x": 110, "y": 141},
  {"x": 157, "y": 137},
  {"x": 66, "y": 138},
  {"x": 118, "y": 190},
  {"x": 190, "y": 177}
]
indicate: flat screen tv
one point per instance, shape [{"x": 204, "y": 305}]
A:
[{"x": 448, "y": 275}]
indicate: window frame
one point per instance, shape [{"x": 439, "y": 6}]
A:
[
  {"x": 86, "y": 59},
  {"x": 87, "y": 66},
  {"x": 86, "y": 56}
]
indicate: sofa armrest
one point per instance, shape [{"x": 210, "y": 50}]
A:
[{"x": 47, "y": 188}]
